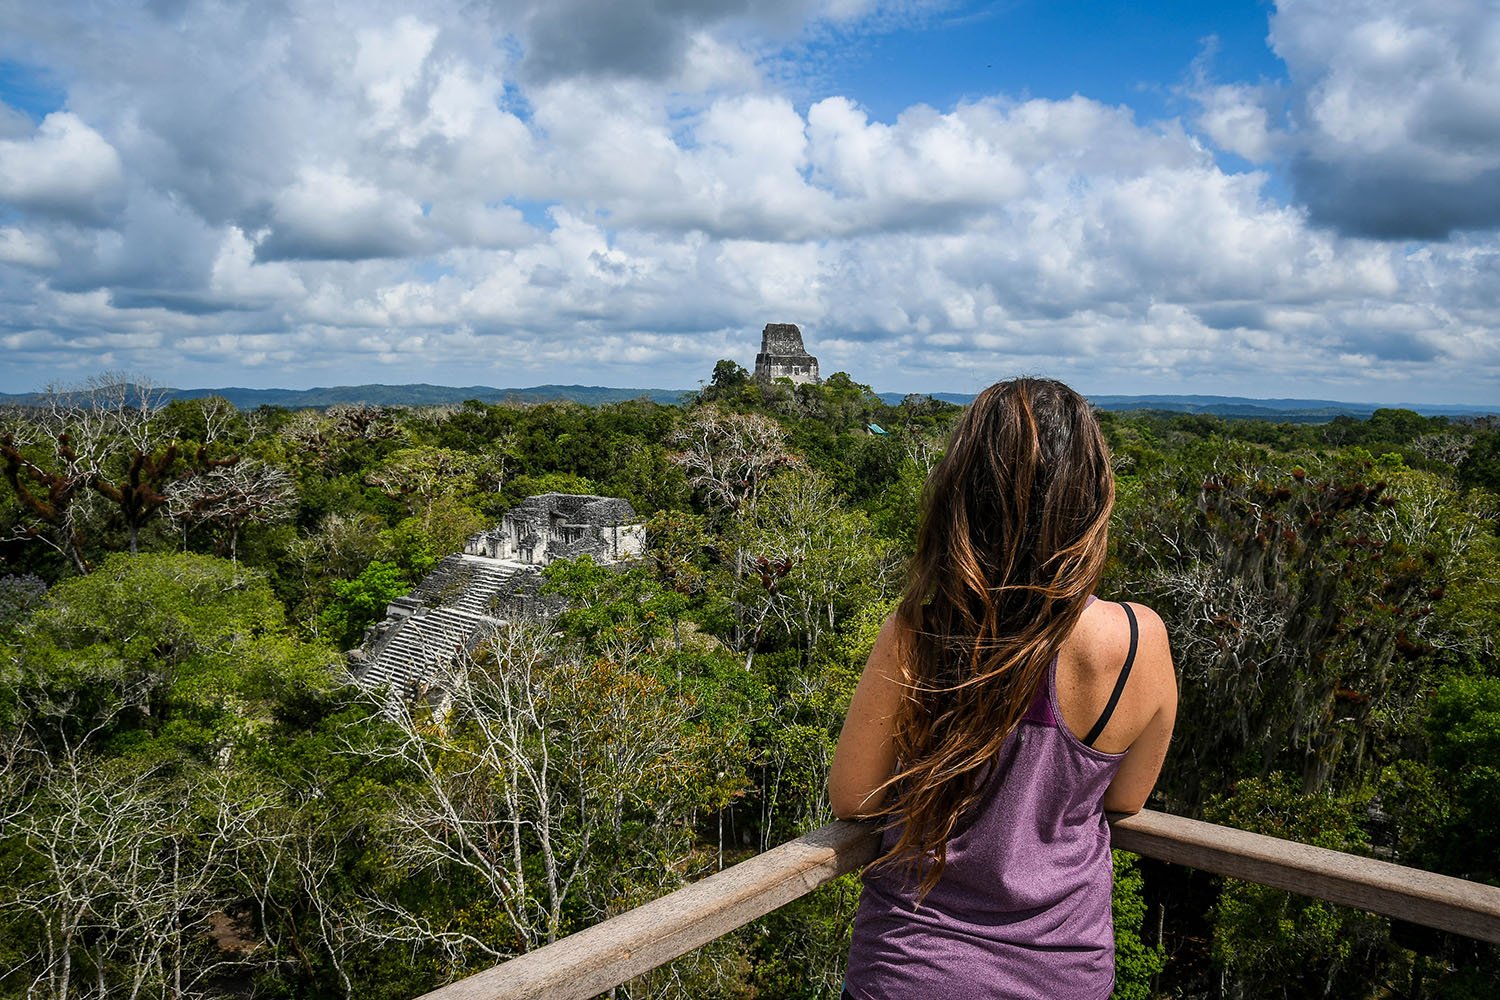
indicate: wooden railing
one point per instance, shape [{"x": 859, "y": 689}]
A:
[{"x": 592, "y": 961}]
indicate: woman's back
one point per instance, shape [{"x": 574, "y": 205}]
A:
[
  {"x": 1022, "y": 909},
  {"x": 996, "y": 721},
  {"x": 1140, "y": 723}
]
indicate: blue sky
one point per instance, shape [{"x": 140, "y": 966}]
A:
[
  {"x": 1135, "y": 54},
  {"x": 1294, "y": 199}
]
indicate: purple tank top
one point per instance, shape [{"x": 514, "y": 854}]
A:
[{"x": 1023, "y": 908}]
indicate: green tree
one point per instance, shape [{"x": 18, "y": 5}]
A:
[
  {"x": 138, "y": 700},
  {"x": 620, "y": 613},
  {"x": 1268, "y": 941},
  {"x": 524, "y": 486},
  {"x": 1137, "y": 964},
  {"x": 359, "y": 603},
  {"x": 648, "y": 478},
  {"x": 554, "y": 787},
  {"x": 846, "y": 403},
  {"x": 1298, "y": 605},
  {"x": 1480, "y": 468},
  {"x": 728, "y": 382},
  {"x": 1464, "y": 727},
  {"x": 176, "y": 646}
]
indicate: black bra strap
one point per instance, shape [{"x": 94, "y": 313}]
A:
[{"x": 1114, "y": 698}]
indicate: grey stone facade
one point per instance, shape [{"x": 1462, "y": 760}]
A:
[
  {"x": 783, "y": 356},
  {"x": 552, "y": 526},
  {"x": 495, "y": 579}
]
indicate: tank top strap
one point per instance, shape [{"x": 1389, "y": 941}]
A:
[
  {"x": 1039, "y": 712},
  {"x": 1114, "y": 697}
]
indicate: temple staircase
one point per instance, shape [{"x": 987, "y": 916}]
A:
[{"x": 448, "y": 614}]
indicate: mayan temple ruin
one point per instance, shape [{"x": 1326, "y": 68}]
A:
[
  {"x": 783, "y": 356},
  {"x": 494, "y": 579}
]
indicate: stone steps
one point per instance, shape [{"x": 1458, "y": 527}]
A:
[
  {"x": 418, "y": 647},
  {"x": 488, "y": 579},
  {"x": 451, "y": 610}
]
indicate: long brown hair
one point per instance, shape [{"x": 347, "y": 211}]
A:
[{"x": 1012, "y": 541}]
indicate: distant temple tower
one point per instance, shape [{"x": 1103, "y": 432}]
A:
[{"x": 783, "y": 356}]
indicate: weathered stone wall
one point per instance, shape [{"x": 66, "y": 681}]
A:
[
  {"x": 468, "y": 595},
  {"x": 782, "y": 338},
  {"x": 783, "y": 356},
  {"x": 552, "y": 526}
]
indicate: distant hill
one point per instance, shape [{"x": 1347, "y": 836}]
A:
[
  {"x": 957, "y": 398},
  {"x": 422, "y": 394},
  {"x": 1281, "y": 409},
  {"x": 419, "y": 394},
  {"x": 1295, "y": 411}
]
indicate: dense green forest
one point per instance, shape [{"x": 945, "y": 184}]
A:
[{"x": 195, "y": 802}]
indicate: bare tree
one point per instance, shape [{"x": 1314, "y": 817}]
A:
[
  {"x": 312, "y": 433},
  {"x": 1294, "y": 601},
  {"x": 731, "y": 457},
  {"x": 219, "y": 418},
  {"x": 560, "y": 786},
  {"x": 80, "y": 426},
  {"x": 825, "y": 555},
  {"x": 144, "y": 460},
  {"x": 230, "y": 497},
  {"x": 495, "y": 461},
  {"x": 342, "y": 545},
  {"x": 365, "y": 421},
  {"x": 424, "y": 474},
  {"x": 1450, "y": 447},
  {"x": 326, "y": 437},
  {"x": 288, "y": 864},
  {"x": 48, "y": 490},
  {"x": 124, "y": 872},
  {"x": 107, "y": 436}
]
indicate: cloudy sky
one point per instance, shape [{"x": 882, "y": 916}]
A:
[{"x": 1298, "y": 199}]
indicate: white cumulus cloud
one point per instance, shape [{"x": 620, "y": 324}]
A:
[
  {"x": 518, "y": 192},
  {"x": 1395, "y": 112},
  {"x": 66, "y": 168}
]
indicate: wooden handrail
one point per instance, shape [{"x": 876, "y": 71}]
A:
[
  {"x": 592, "y": 961},
  {"x": 1420, "y": 897},
  {"x": 605, "y": 955}
]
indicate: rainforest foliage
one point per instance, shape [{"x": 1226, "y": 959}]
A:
[{"x": 194, "y": 801}]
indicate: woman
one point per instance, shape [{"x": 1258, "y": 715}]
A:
[{"x": 1003, "y": 711}]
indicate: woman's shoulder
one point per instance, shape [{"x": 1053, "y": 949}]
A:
[
  {"x": 1104, "y": 633},
  {"x": 1093, "y": 658}
]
